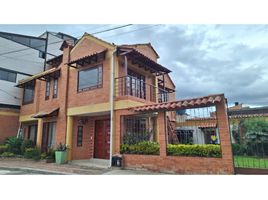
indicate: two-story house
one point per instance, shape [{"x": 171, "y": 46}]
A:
[
  {"x": 97, "y": 97},
  {"x": 79, "y": 99}
]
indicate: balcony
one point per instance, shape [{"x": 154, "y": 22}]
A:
[{"x": 131, "y": 86}]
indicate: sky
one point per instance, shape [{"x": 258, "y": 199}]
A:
[{"x": 204, "y": 59}]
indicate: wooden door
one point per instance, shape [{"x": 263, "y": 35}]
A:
[{"x": 102, "y": 139}]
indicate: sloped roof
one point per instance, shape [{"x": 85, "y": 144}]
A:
[
  {"x": 249, "y": 112},
  {"x": 37, "y": 76},
  {"x": 181, "y": 104},
  {"x": 141, "y": 44},
  {"x": 132, "y": 52}
]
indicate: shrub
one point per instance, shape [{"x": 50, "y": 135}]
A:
[
  {"x": 209, "y": 150},
  {"x": 14, "y": 144},
  {"x": 145, "y": 147},
  {"x": 26, "y": 144},
  {"x": 3, "y": 148},
  {"x": 62, "y": 147},
  {"x": 8, "y": 154},
  {"x": 43, "y": 156},
  {"x": 32, "y": 153},
  {"x": 134, "y": 138},
  {"x": 51, "y": 154}
]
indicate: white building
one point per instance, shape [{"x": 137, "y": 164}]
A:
[{"x": 22, "y": 56}]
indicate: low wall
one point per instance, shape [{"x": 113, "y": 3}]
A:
[{"x": 179, "y": 165}]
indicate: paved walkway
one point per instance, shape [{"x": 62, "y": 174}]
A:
[{"x": 19, "y": 166}]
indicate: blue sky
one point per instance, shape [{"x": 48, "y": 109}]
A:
[{"x": 205, "y": 59}]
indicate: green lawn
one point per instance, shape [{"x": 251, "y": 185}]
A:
[{"x": 250, "y": 162}]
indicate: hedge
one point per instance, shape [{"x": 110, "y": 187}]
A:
[
  {"x": 145, "y": 148},
  {"x": 33, "y": 153},
  {"x": 198, "y": 150},
  {"x": 3, "y": 148},
  {"x": 152, "y": 148}
]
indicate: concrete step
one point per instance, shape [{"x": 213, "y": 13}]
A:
[{"x": 92, "y": 163}]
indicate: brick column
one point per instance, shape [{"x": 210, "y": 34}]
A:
[
  {"x": 39, "y": 133},
  {"x": 224, "y": 134},
  {"x": 69, "y": 136},
  {"x": 162, "y": 130}
]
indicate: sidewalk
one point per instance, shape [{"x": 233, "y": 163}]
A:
[{"x": 16, "y": 166}]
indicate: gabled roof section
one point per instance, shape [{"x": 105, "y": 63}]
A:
[
  {"x": 143, "y": 60},
  {"x": 95, "y": 39},
  {"x": 142, "y": 44},
  {"x": 29, "y": 41}
]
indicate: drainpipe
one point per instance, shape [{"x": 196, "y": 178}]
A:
[{"x": 112, "y": 106}]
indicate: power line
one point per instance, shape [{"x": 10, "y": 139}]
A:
[
  {"x": 111, "y": 29},
  {"x": 140, "y": 29}
]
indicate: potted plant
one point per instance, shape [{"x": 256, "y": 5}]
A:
[{"x": 61, "y": 153}]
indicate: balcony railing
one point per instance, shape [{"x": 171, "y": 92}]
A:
[{"x": 131, "y": 86}]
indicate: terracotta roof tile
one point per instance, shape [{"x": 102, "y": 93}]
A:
[{"x": 182, "y": 104}]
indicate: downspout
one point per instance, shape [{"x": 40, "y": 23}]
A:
[{"x": 112, "y": 106}]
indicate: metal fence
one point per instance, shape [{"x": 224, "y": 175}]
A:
[
  {"x": 197, "y": 126},
  {"x": 249, "y": 135}
]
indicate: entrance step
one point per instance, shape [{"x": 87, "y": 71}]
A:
[{"x": 92, "y": 163}]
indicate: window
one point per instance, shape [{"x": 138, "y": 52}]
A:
[
  {"x": 136, "y": 84},
  {"x": 55, "y": 88},
  {"x": 7, "y": 75},
  {"x": 32, "y": 133},
  {"x": 28, "y": 95},
  {"x": 90, "y": 78},
  {"x": 47, "y": 89},
  {"x": 185, "y": 136},
  {"x": 49, "y": 135},
  {"x": 80, "y": 136},
  {"x": 42, "y": 55}
]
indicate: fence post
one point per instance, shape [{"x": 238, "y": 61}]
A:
[
  {"x": 224, "y": 133},
  {"x": 162, "y": 130}
]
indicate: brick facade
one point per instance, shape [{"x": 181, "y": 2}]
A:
[
  {"x": 9, "y": 123},
  {"x": 188, "y": 165},
  {"x": 96, "y": 102}
]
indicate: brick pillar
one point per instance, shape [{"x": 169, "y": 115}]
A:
[
  {"x": 39, "y": 133},
  {"x": 162, "y": 130},
  {"x": 69, "y": 136},
  {"x": 224, "y": 134}
]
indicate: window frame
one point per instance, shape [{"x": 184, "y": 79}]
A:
[
  {"x": 32, "y": 100},
  {"x": 100, "y": 83},
  {"x": 79, "y": 138},
  {"x": 55, "y": 87},
  {"x": 9, "y": 72},
  {"x": 47, "y": 90}
]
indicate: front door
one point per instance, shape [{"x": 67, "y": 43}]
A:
[{"x": 102, "y": 139}]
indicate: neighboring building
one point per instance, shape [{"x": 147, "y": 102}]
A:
[
  {"x": 96, "y": 94},
  {"x": 238, "y": 114},
  {"x": 22, "y": 56},
  {"x": 195, "y": 127}
]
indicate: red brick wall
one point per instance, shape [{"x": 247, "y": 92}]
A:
[
  {"x": 8, "y": 126},
  {"x": 187, "y": 165},
  {"x": 181, "y": 165},
  {"x": 86, "y": 151}
]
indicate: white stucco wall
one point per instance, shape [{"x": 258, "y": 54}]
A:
[{"x": 26, "y": 61}]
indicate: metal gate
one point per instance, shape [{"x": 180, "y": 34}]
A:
[{"x": 249, "y": 136}]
